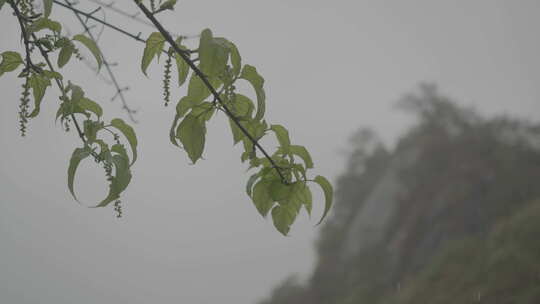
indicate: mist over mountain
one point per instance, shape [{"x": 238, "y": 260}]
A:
[{"x": 450, "y": 215}]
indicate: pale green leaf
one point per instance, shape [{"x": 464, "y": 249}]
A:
[
  {"x": 261, "y": 197},
  {"x": 45, "y": 23},
  {"x": 167, "y": 5},
  {"x": 172, "y": 132},
  {"x": 328, "y": 194},
  {"x": 236, "y": 60},
  {"x": 10, "y": 61},
  {"x": 301, "y": 195},
  {"x": 192, "y": 132},
  {"x": 303, "y": 153},
  {"x": 91, "y": 45},
  {"x": 203, "y": 111},
  {"x": 38, "y": 83},
  {"x": 122, "y": 176},
  {"x": 197, "y": 89},
  {"x": 282, "y": 136},
  {"x": 52, "y": 74},
  {"x": 279, "y": 191},
  {"x": 184, "y": 105},
  {"x": 242, "y": 107},
  {"x": 250, "y": 74},
  {"x": 183, "y": 69},
  {"x": 283, "y": 217},
  {"x": 212, "y": 54},
  {"x": 68, "y": 108},
  {"x": 154, "y": 46},
  {"x": 90, "y": 129},
  {"x": 47, "y": 8},
  {"x": 128, "y": 133},
  {"x": 238, "y": 135},
  {"x": 78, "y": 155},
  {"x": 65, "y": 54},
  {"x": 90, "y": 105},
  {"x": 77, "y": 93},
  {"x": 252, "y": 179}
]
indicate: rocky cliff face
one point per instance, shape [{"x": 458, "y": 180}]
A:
[{"x": 451, "y": 178}]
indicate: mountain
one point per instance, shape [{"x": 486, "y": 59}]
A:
[{"x": 450, "y": 215}]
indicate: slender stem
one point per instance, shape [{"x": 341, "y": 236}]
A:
[
  {"x": 49, "y": 64},
  {"x": 23, "y": 34},
  {"x": 89, "y": 16},
  {"x": 205, "y": 80},
  {"x": 60, "y": 85},
  {"x": 121, "y": 12},
  {"x": 107, "y": 66},
  {"x": 105, "y": 23}
]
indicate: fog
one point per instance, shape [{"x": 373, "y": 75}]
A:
[{"x": 189, "y": 233}]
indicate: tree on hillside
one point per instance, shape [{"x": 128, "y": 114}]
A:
[{"x": 211, "y": 70}]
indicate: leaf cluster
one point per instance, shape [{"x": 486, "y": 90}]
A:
[{"x": 211, "y": 71}]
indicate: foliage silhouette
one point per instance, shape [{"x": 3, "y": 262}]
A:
[{"x": 211, "y": 71}]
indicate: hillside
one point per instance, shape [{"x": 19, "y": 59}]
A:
[{"x": 449, "y": 216}]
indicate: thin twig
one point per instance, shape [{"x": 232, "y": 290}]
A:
[
  {"x": 49, "y": 64},
  {"x": 119, "y": 90},
  {"x": 121, "y": 12},
  {"x": 114, "y": 27},
  {"x": 207, "y": 83}
]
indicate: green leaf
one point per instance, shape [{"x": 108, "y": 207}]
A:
[
  {"x": 45, "y": 23},
  {"x": 91, "y": 46},
  {"x": 303, "y": 153},
  {"x": 122, "y": 176},
  {"x": 10, "y": 61},
  {"x": 77, "y": 93},
  {"x": 154, "y": 46},
  {"x": 282, "y": 136},
  {"x": 90, "y": 105},
  {"x": 184, "y": 104},
  {"x": 78, "y": 155},
  {"x": 183, "y": 69},
  {"x": 279, "y": 191},
  {"x": 261, "y": 197},
  {"x": 250, "y": 74},
  {"x": 236, "y": 60},
  {"x": 192, "y": 132},
  {"x": 2, "y": 2},
  {"x": 47, "y": 8},
  {"x": 238, "y": 135},
  {"x": 203, "y": 111},
  {"x": 252, "y": 179},
  {"x": 39, "y": 84},
  {"x": 197, "y": 89},
  {"x": 242, "y": 107},
  {"x": 212, "y": 54},
  {"x": 167, "y": 5},
  {"x": 301, "y": 195},
  {"x": 65, "y": 54},
  {"x": 172, "y": 133},
  {"x": 90, "y": 129},
  {"x": 328, "y": 194},
  {"x": 283, "y": 217},
  {"x": 129, "y": 134},
  {"x": 52, "y": 74},
  {"x": 68, "y": 108}
]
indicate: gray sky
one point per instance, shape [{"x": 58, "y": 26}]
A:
[{"x": 189, "y": 233}]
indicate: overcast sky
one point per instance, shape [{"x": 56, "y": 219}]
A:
[{"x": 189, "y": 233}]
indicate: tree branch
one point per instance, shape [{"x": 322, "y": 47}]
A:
[
  {"x": 107, "y": 66},
  {"x": 203, "y": 77},
  {"x": 46, "y": 57}
]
